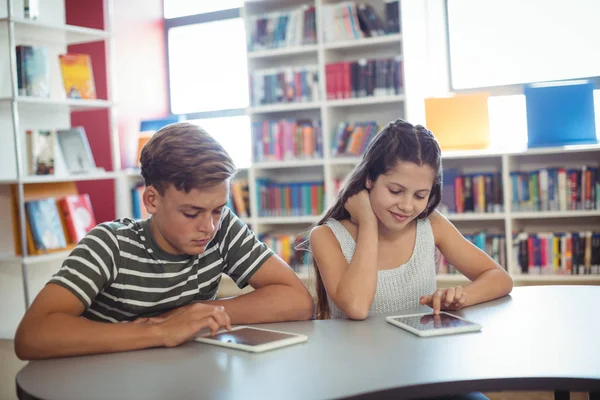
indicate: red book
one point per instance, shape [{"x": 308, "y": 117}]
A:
[{"x": 79, "y": 215}]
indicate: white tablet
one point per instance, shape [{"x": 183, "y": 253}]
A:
[
  {"x": 252, "y": 339},
  {"x": 429, "y": 324}
]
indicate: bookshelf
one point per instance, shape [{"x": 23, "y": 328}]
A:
[
  {"x": 56, "y": 29},
  {"x": 382, "y": 109},
  {"x": 324, "y": 166}
]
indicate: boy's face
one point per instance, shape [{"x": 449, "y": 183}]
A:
[
  {"x": 400, "y": 195},
  {"x": 184, "y": 223}
]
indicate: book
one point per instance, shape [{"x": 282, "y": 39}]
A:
[
  {"x": 41, "y": 149},
  {"x": 46, "y": 226},
  {"x": 33, "y": 71},
  {"x": 79, "y": 215},
  {"x": 78, "y": 78},
  {"x": 76, "y": 150}
]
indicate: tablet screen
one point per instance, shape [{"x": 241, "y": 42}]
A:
[
  {"x": 426, "y": 322},
  {"x": 250, "y": 337}
]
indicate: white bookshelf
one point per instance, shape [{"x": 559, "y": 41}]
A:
[
  {"x": 329, "y": 112},
  {"x": 26, "y": 273},
  {"x": 387, "y": 108}
]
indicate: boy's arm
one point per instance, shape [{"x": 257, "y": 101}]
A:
[
  {"x": 52, "y": 327},
  {"x": 279, "y": 295}
]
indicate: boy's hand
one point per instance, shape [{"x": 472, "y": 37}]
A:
[
  {"x": 182, "y": 326},
  {"x": 453, "y": 298}
]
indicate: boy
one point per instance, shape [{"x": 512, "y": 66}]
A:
[{"x": 163, "y": 273}]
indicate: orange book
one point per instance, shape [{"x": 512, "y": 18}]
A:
[
  {"x": 78, "y": 78},
  {"x": 460, "y": 122},
  {"x": 143, "y": 138}
]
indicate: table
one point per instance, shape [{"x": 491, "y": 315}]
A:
[{"x": 538, "y": 338}]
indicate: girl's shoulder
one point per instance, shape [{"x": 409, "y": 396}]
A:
[
  {"x": 439, "y": 225},
  {"x": 334, "y": 229},
  {"x": 351, "y": 227}
]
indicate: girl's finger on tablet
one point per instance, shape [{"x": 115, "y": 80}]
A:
[{"x": 437, "y": 301}]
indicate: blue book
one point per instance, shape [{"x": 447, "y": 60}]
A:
[{"x": 46, "y": 226}]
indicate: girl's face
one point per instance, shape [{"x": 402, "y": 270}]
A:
[{"x": 400, "y": 195}]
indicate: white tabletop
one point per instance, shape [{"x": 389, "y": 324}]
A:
[{"x": 538, "y": 338}]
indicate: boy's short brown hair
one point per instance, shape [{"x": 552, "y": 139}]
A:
[{"x": 184, "y": 155}]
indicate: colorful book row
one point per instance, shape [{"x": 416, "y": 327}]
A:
[
  {"x": 479, "y": 192},
  {"x": 284, "y": 85},
  {"x": 570, "y": 253},
  {"x": 493, "y": 244},
  {"x": 289, "y": 199},
  {"x": 556, "y": 189},
  {"x": 363, "y": 78},
  {"x": 352, "y": 138},
  {"x": 287, "y": 140},
  {"x": 283, "y": 29}
]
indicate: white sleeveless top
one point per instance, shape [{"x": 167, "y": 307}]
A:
[{"x": 399, "y": 288}]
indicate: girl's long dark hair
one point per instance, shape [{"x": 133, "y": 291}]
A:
[{"x": 398, "y": 141}]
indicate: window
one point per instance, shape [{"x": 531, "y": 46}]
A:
[
  {"x": 202, "y": 76},
  {"x": 183, "y": 8},
  {"x": 233, "y": 134},
  {"x": 505, "y": 42},
  {"x": 208, "y": 72},
  {"x": 498, "y": 45}
]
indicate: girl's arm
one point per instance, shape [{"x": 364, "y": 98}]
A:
[
  {"x": 489, "y": 280},
  {"x": 350, "y": 286}
]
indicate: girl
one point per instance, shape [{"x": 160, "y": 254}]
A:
[{"x": 374, "y": 250}]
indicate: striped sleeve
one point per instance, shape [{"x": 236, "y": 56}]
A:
[
  {"x": 91, "y": 266},
  {"x": 241, "y": 250}
]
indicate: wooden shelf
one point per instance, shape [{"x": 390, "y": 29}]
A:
[
  {"x": 556, "y": 278},
  {"x": 72, "y": 104},
  {"x": 554, "y": 214},
  {"x": 365, "y": 101},
  {"x": 344, "y": 160},
  {"x": 476, "y": 217},
  {"x": 288, "y": 107},
  {"x": 96, "y": 176},
  {"x": 288, "y": 164},
  {"x": 310, "y": 219},
  {"x": 376, "y": 41},
  {"x": 67, "y": 34},
  {"x": 283, "y": 52}
]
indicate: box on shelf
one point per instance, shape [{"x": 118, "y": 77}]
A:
[
  {"x": 459, "y": 122},
  {"x": 560, "y": 113}
]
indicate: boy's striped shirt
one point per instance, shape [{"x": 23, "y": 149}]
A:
[{"x": 119, "y": 272}]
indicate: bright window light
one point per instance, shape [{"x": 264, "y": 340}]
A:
[
  {"x": 234, "y": 135},
  {"x": 182, "y": 8},
  {"x": 207, "y": 67},
  {"x": 496, "y": 43}
]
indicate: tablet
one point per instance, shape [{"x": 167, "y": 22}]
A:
[
  {"x": 255, "y": 340},
  {"x": 429, "y": 324}
]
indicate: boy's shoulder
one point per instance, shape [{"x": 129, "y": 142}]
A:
[{"x": 123, "y": 227}]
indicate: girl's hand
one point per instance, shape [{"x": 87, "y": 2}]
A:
[
  {"x": 359, "y": 207},
  {"x": 453, "y": 299}
]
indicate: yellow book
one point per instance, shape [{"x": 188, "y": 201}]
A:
[{"x": 78, "y": 78}]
